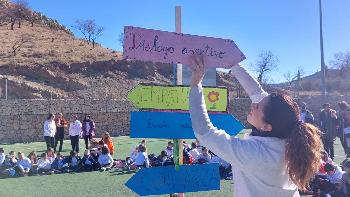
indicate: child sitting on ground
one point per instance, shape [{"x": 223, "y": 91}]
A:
[
  {"x": 24, "y": 164},
  {"x": 204, "y": 157},
  {"x": 10, "y": 160},
  {"x": 2, "y": 157},
  {"x": 44, "y": 165},
  {"x": 93, "y": 143},
  {"x": 106, "y": 138},
  {"x": 130, "y": 160},
  {"x": 88, "y": 163},
  {"x": 345, "y": 180},
  {"x": 59, "y": 164},
  {"x": 73, "y": 161},
  {"x": 50, "y": 154},
  {"x": 170, "y": 149},
  {"x": 105, "y": 159},
  {"x": 141, "y": 159},
  {"x": 34, "y": 160},
  {"x": 194, "y": 152}
]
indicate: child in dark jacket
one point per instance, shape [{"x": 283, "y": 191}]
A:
[
  {"x": 88, "y": 163},
  {"x": 73, "y": 161},
  {"x": 60, "y": 164}
]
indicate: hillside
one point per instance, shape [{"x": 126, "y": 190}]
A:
[
  {"x": 337, "y": 81},
  {"x": 53, "y": 61}
]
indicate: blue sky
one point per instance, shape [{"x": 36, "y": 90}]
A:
[{"x": 290, "y": 29}]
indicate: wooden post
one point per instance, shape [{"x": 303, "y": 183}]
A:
[
  {"x": 179, "y": 79},
  {"x": 6, "y": 88}
]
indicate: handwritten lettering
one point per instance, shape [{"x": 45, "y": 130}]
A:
[
  {"x": 156, "y": 47},
  {"x": 160, "y": 125},
  {"x": 207, "y": 51}
]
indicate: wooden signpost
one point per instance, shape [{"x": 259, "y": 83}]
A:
[{"x": 167, "y": 106}]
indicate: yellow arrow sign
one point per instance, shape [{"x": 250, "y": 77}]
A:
[{"x": 176, "y": 97}]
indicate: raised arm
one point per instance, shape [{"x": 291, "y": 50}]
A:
[
  {"x": 250, "y": 85},
  {"x": 229, "y": 148}
]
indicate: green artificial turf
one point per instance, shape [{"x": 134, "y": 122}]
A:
[{"x": 108, "y": 183}]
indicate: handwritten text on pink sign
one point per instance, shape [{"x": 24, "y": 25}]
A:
[{"x": 169, "y": 47}]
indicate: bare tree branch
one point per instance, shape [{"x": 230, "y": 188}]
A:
[
  {"x": 90, "y": 30},
  {"x": 18, "y": 44},
  {"x": 266, "y": 63}
]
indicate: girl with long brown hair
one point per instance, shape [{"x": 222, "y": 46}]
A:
[{"x": 279, "y": 157}]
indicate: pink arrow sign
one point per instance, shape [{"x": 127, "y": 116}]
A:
[{"x": 170, "y": 47}]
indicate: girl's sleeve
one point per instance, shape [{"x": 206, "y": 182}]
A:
[
  {"x": 46, "y": 127},
  {"x": 249, "y": 84},
  {"x": 238, "y": 152}
]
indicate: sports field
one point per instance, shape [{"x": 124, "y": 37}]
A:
[{"x": 108, "y": 183}]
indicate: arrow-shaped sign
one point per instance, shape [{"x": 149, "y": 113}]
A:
[
  {"x": 175, "y": 97},
  {"x": 166, "y": 180},
  {"x": 176, "y": 125},
  {"x": 169, "y": 47}
]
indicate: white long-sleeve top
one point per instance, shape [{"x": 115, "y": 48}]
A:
[
  {"x": 49, "y": 128},
  {"x": 44, "y": 164},
  {"x": 258, "y": 163},
  {"x": 75, "y": 128},
  {"x": 105, "y": 159},
  {"x": 25, "y": 163},
  {"x": 2, "y": 158}
]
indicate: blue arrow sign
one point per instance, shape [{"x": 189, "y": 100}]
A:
[
  {"x": 176, "y": 125},
  {"x": 167, "y": 180}
]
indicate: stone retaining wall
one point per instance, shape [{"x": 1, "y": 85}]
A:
[{"x": 22, "y": 120}]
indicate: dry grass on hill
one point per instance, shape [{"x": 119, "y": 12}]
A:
[{"x": 45, "y": 46}]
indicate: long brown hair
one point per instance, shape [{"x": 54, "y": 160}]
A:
[{"x": 303, "y": 141}]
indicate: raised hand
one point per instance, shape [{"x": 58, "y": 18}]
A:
[{"x": 198, "y": 70}]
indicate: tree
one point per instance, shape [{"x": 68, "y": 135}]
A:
[
  {"x": 90, "y": 30},
  {"x": 4, "y": 3},
  {"x": 266, "y": 63},
  {"x": 294, "y": 80},
  {"x": 18, "y": 44},
  {"x": 341, "y": 61},
  {"x": 18, "y": 12},
  {"x": 290, "y": 79},
  {"x": 121, "y": 39}
]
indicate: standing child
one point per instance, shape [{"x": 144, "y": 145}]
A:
[
  {"x": 50, "y": 131},
  {"x": 74, "y": 133},
  {"x": 88, "y": 129},
  {"x": 345, "y": 180},
  {"x": 61, "y": 124}
]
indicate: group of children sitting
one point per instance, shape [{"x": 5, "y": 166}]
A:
[
  {"x": 99, "y": 157},
  {"x": 50, "y": 163},
  {"x": 192, "y": 154},
  {"x": 332, "y": 179}
]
